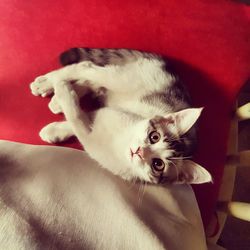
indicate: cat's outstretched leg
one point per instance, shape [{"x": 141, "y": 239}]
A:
[
  {"x": 69, "y": 102},
  {"x": 116, "y": 78},
  {"x": 56, "y": 132}
]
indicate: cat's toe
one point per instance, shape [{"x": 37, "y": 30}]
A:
[
  {"x": 41, "y": 86},
  {"x": 47, "y": 135},
  {"x": 54, "y": 106}
]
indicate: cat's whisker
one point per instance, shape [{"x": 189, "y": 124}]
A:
[
  {"x": 176, "y": 168},
  {"x": 141, "y": 191},
  {"x": 132, "y": 183},
  {"x": 174, "y": 137},
  {"x": 144, "y": 188},
  {"x": 180, "y": 158}
]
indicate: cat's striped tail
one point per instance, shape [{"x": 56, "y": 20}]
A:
[{"x": 103, "y": 57}]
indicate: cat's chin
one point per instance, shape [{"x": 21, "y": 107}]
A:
[{"x": 134, "y": 171}]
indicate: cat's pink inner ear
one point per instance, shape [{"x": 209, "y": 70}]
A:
[
  {"x": 170, "y": 119},
  {"x": 186, "y": 118},
  {"x": 193, "y": 173}
]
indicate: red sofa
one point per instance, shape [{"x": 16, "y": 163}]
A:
[{"x": 208, "y": 40}]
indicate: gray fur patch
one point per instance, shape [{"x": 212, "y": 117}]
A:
[{"x": 104, "y": 57}]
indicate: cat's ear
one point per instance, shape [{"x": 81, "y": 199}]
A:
[
  {"x": 193, "y": 173},
  {"x": 185, "y": 119}
]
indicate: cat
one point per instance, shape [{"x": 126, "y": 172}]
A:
[{"x": 146, "y": 127}]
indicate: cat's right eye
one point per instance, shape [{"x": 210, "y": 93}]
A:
[{"x": 154, "y": 137}]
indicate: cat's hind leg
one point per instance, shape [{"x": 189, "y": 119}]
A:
[{"x": 56, "y": 132}]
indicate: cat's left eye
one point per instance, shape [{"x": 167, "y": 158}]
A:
[
  {"x": 154, "y": 137},
  {"x": 157, "y": 165}
]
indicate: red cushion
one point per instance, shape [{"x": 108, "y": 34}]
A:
[{"x": 210, "y": 41}]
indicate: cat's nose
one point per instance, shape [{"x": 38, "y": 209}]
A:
[{"x": 140, "y": 152}]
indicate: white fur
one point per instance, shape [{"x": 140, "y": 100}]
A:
[{"x": 56, "y": 132}]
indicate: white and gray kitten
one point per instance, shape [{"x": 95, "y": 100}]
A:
[{"x": 144, "y": 130}]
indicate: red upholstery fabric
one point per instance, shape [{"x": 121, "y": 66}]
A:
[{"x": 210, "y": 41}]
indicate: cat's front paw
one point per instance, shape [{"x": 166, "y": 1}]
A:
[
  {"x": 41, "y": 86},
  {"x": 54, "y": 132}
]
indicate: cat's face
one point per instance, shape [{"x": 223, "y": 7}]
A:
[{"x": 160, "y": 147}]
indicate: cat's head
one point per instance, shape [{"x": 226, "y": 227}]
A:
[{"x": 160, "y": 149}]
